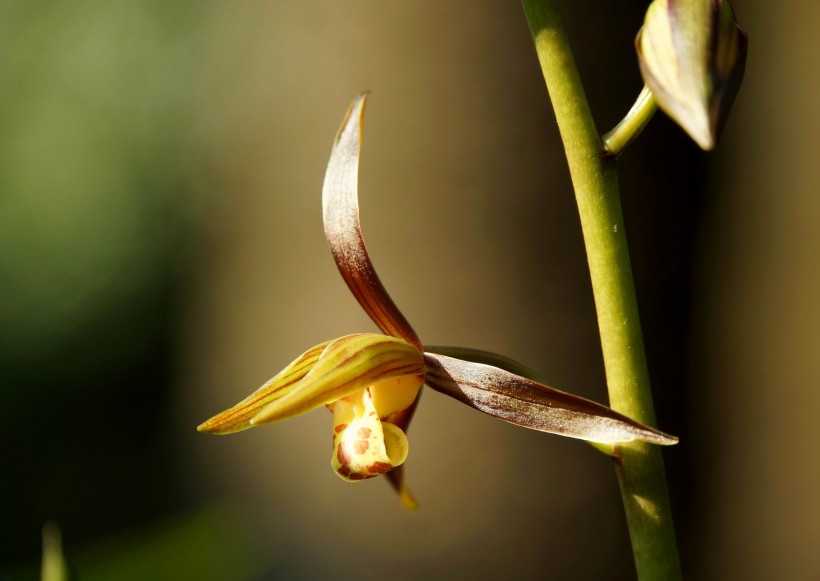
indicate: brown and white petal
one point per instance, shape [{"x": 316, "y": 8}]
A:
[
  {"x": 340, "y": 204},
  {"x": 527, "y": 403}
]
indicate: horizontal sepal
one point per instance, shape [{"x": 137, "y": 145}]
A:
[
  {"x": 347, "y": 365},
  {"x": 530, "y": 404},
  {"x": 238, "y": 417}
]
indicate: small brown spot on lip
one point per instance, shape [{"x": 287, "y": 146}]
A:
[
  {"x": 339, "y": 428},
  {"x": 364, "y": 432},
  {"x": 379, "y": 467},
  {"x": 361, "y": 446}
]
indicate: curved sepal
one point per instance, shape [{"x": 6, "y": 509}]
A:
[
  {"x": 340, "y": 205},
  {"x": 347, "y": 365},
  {"x": 238, "y": 417},
  {"x": 527, "y": 403}
]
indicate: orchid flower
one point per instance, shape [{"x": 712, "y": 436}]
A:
[{"x": 371, "y": 383}]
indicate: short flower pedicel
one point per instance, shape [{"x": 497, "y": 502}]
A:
[{"x": 371, "y": 383}]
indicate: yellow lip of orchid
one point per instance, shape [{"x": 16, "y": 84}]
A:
[
  {"x": 363, "y": 445},
  {"x": 371, "y": 383}
]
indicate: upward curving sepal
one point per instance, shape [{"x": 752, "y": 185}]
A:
[{"x": 340, "y": 204}]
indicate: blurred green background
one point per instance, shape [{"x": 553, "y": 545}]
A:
[{"x": 162, "y": 254}]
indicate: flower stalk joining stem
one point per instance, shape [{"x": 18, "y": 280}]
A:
[
  {"x": 628, "y": 129},
  {"x": 594, "y": 177}
]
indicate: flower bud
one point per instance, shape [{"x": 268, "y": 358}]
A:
[{"x": 692, "y": 56}]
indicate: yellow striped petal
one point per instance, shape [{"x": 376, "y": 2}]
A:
[
  {"x": 238, "y": 417},
  {"x": 348, "y": 365}
]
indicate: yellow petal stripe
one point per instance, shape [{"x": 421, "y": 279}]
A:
[
  {"x": 238, "y": 417},
  {"x": 348, "y": 365}
]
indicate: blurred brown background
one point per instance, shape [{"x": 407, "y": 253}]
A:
[{"x": 162, "y": 254}]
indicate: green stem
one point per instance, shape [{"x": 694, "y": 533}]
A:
[
  {"x": 594, "y": 177},
  {"x": 631, "y": 126}
]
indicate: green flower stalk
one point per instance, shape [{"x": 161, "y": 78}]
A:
[
  {"x": 692, "y": 56},
  {"x": 371, "y": 382}
]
